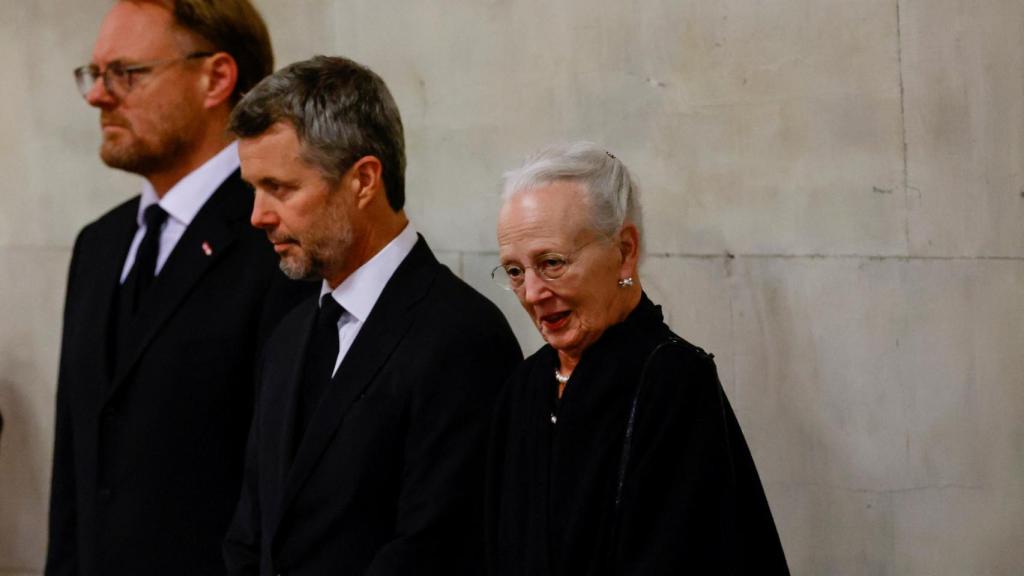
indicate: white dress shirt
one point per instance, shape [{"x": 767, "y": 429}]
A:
[
  {"x": 182, "y": 202},
  {"x": 358, "y": 293}
]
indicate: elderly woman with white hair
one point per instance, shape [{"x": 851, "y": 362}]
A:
[{"x": 614, "y": 449}]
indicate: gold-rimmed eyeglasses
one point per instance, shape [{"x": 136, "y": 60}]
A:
[
  {"x": 118, "y": 77},
  {"x": 549, "y": 266}
]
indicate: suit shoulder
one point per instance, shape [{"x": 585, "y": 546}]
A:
[
  {"x": 685, "y": 349},
  {"x": 126, "y": 210},
  {"x": 129, "y": 207},
  {"x": 674, "y": 358},
  {"x": 683, "y": 375},
  {"x": 462, "y": 303},
  {"x": 454, "y": 315}
]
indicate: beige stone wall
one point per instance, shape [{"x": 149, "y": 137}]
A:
[{"x": 834, "y": 192}]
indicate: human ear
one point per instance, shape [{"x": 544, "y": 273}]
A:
[
  {"x": 629, "y": 248},
  {"x": 367, "y": 180},
  {"x": 220, "y": 76}
]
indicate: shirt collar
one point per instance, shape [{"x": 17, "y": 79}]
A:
[
  {"x": 359, "y": 292},
  {"x": 183, "y": 201}
]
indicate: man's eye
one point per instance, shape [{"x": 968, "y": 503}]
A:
[{"x": 277, "y": 189}]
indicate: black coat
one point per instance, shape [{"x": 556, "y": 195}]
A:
[
  {"x": 690, "y": 499},
  {"x": 150, "y": 444},
  {"x": 388, "y": 478}
]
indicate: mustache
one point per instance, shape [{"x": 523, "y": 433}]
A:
[
  {"x": 279, "y": 239},
  {"x": 113, "y": 119}
]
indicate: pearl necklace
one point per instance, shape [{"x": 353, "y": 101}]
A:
[{"x": 562, "y": 381}]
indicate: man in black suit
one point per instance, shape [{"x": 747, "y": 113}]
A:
[
  {"x": 366, "y": 453},
  {"x": 168, "y": 295}
]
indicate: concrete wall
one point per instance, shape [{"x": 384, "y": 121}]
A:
[{"x": 834, "y": 194}]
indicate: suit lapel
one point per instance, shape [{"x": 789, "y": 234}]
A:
[
  {"x": 102, "y": 279},
  {"x": 387, "y": 324},
  {"x": 291, "y": 368},
  {"x": 205, "y": 241}
]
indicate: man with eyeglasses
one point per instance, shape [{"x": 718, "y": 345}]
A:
[{"x": 169, "y": 297}]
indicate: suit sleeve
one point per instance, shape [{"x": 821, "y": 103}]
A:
[
  {"x": 242, "y": 542},
  {"x": 62, "y": 548},
  {"x": 439, "y": 528},
  {"x": 685, "y": 487}
]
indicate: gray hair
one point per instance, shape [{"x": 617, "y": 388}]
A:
[
  {"x": 341, "y": 112},
  {"x": 612, "y": 194}
]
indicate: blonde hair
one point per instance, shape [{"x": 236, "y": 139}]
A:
[{"x": 231, "y": 26}]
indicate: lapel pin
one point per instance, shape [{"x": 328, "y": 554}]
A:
[{"x": 207, "y": 249}]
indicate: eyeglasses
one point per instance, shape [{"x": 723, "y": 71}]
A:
[
  {"x": 549, "y": 266},
  {"x": 118, "y": 78}
]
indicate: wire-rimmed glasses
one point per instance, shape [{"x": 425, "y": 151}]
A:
[
  {"x": 549, "y": 266},
  {"x": 118, "y": 77},
  {"x": 512, "y": 276}
]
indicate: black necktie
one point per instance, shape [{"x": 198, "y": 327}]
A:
[
  {"x": 321, "y": 355},
  {"x": 145, "y": 259}
]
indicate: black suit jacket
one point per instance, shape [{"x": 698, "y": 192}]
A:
[
  {"x": 388, "y": 478},
  {"x": 150, "y": 445}
]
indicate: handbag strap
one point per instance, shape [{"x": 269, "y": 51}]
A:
[{"x": 627, "y": 442}]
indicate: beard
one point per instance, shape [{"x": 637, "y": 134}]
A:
[
  {"x": 138, "y": 158},
  {"x": 325, "y": 246},
  {"x": 126, "y": 150}
]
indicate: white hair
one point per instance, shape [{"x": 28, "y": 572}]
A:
[{"x": 611, "y": 193}]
